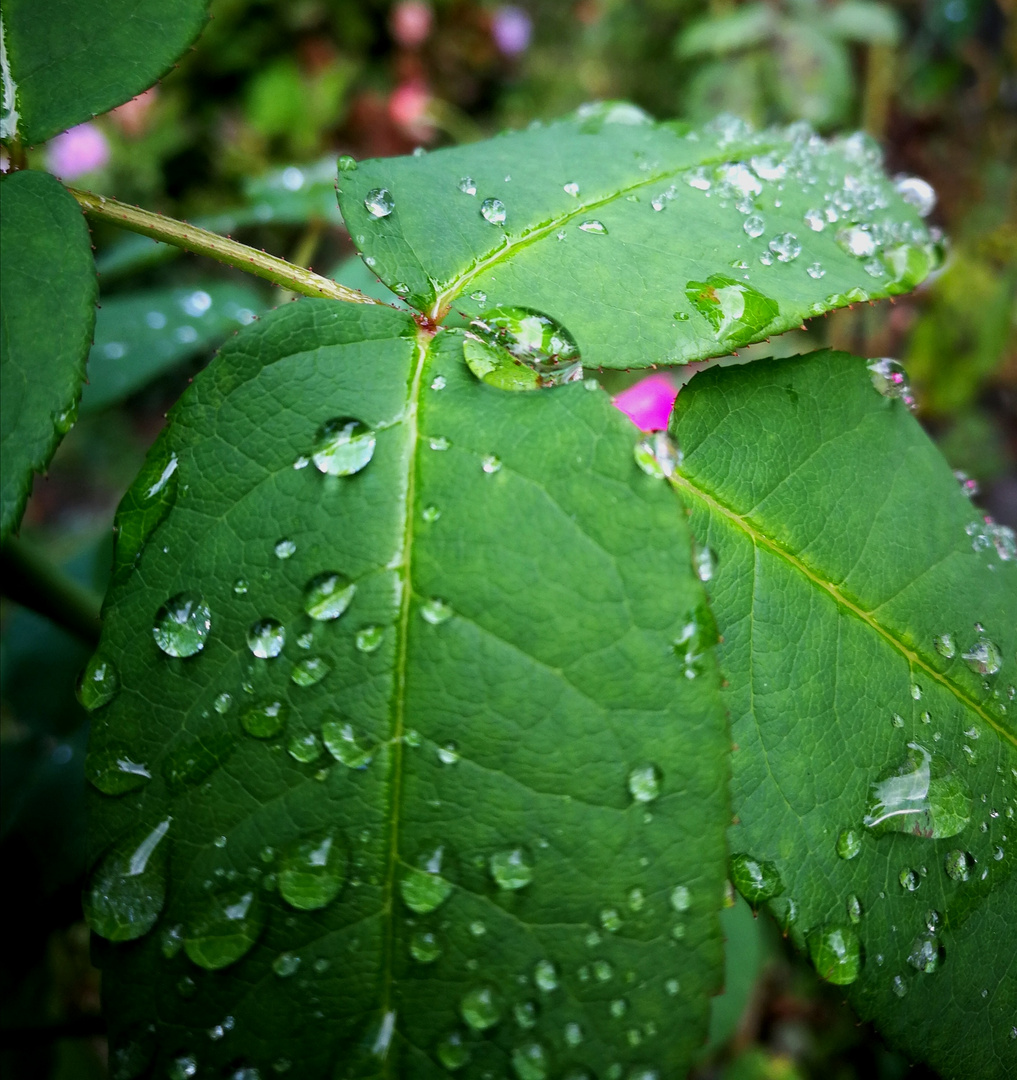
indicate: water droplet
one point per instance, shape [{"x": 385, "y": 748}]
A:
[
  {"x": 481, "y": 1008},
  {"x": 448, "y": 754},
  {"x": 916, "y": 691},
  {"x": 379, "y": 202},
  {"x": 897, "y": 720},
  {"x": 435, "y": 611},
  {"x": 926, "y": 954},
  {"x": 908, "y": 879},
  {"x": 98, "y": 684},
  {"x": 425, "y": 947},
  {"x": 425, "y": 889},
  {"x": 849, "y": 843},
  {"x": 958, "y": 865},
  {"x": 511, "y": 344},
  {"x": 815, "y": 270},
  {"x": 114, "y": 772},
  {"x": 672, "y": 986},
  {"x": 284, "y": 548},
  {"x": 286, "y": 964},
  {"x": 304, "y": 746},
  {"x": 530, "y": 1062},
  {"x": 438, "y": 382},
  {"x": 511, "y": 869},
  {"x": 610, "y": 920},
  {"x": 836, "y": 953},
  {"x": 603, "y": 971},
  {"x": 899, "y": 986},
  {"x": 571, "y": 189},
  {"x": 490, "y": 464},
  {"x": 430, "y": 514},
  {"x": 265, "y": 721},
  {"x": 786, "y": 247},
  {"x": 525, "y": 1014},
  {"x": 917, "y": 192},
  {"x": 309, "y": 670},
  {"x": 618, "y": 1008},
  {"x": 755, "y": 879},
  {"x": 858, "y": 241},
  {"x": 224, "y": 928},
  {"x": 890, "y": 380},
  {"x": 328, "y": 595},
  {"x": 658, "y": 455},
  {"x": 477, "y": 928},
  {"x": 593, "y": 226},
  {"x": 266, "y": 638},
  {"x": 696, "y": 636},
  {"x": 182, "y": 1068},
  {"x": 343, "y": 446},
  {"x": 127, "y": 889},
  {"x": 340, "y": 740},
  {"x": 438, "y": 442},
  {"x": 182, "y": 625},
  {"x": 815, "y": 220},
  {"x": 467, "y": 185},
  {"x": 573, "y": 1034},
  {"x": 369, "y": 638},
  {"x": 736, "y": 311},
  {"x": 682, "y": 316},
  {"x": 681, "y": 898},
  {"x": 705, "y": 563},
  {"x": 347, "y": 163},
  {"x": 452, "y": 1051},
  {"x": 984, "y": 657},
  {"x": 754, "y": 225},
  {"x": 493, "y": 211},
  {"x": 923, "y": 796},
  {"x": 945, "y": 646},
  {"x": 312, "y": 872},
  {"x": 644, "y": 783},
  {"x": 854, "y": 909}
]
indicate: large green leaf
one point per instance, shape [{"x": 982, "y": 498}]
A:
[
  {"x": 71, "y": 59},
  {"x": 870, "y": 624},
  {"x": 47, "y": 310},
  {"x": 651, "y": 243},
  {"x": 511, "y": 846}
]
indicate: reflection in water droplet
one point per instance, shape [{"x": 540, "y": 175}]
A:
[
  {"x": 452, "y": 1051},
  {"x": 681, "y": 898},
  {"x": 858, "y": 241},
  {"x": 737, "y": 312},
  {"x": 593, "y": 226},
  {"x": 984, "y": 657},
  {"x": 340, "y": 741},
  {"x": 467, "y": 185},
  {"x": 481, "y": 1008},
  {"x": 755, "y": 879},
  {"x": 369, "y": 638},
  {"x": 571, "y": 189},
  {"x": 919, "y": 193},
  {"x": 425, "y": 947},
  {"x": 424, "y": 890},
  {"x": 379, "y": 202},
  {"x": 98, "y": 684},
  {"x": 908, "y": 879},
  {"x": 926, "y": 954},
  {"x": 525, "y": 1014},
  {"x": 266, "y": 638},
  {"x": 945, "y": 646},
  {"x": 511, "y": 344},
  {"x": 705, "y": 563},
  {"x": 304, "y": 747},
  {"x": 347, "y": 163},
  {"x": 658, "y": 455},
  {"x": 309, "y": 671},
  {"x": 610, "y": 920},
  {"x": 511, "y": 869},
  {"x": 448, "y": 754},
  {"x": 958, "y": 865},
  {"x": 836, "y": 953},
  {"x": 754, "y": 225},
  {"x": 343, "y": 446},
  {"x": 490, "y": 464},
  {"x": 530, "y": 1062},
  {"x": 114, "y": 772},
  {"x": 284, "y": 548},
  {"x": 493, "y": 211},
  {"x": 312, "y": 872},
  {"x": 786, "y": 247},
  {"x": 849, "y": 843},
  {"x": 328, "y": 595},
  {"x": 265, "y": 721},
  {"x": 644, "y": 783},
  {"x": 182, "y": 625},
  {"x": 815, "y": 270},
  {"x": 854, "y": 909},
  {"x": 923, "y": 796},
  {"x": 286, "y": 964},
  {"x": 126, "y": 891},
  {"x": 435, "y": 611},
  {"x": 224, "y": 928}
]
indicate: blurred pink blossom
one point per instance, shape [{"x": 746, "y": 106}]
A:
[
  {"x": 407, "y": 107},
  {"x": 410, "y": 22},
  {"x": 648, "y": 404},
  {"x": 511, "y": 29},
  {"x": 132, "y": 117},
  {"x": 78, "y": 150}
]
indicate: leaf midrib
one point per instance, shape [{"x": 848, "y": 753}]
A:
[
  {"x": 683, "y": 483},
  {"x": 443, "y": 300}
]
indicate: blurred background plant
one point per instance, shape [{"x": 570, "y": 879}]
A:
[{"x": 242, "y": 137}]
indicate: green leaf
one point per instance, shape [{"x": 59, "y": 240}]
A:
[
  {"x": 141, "y": 335},
  {"x": 743, "y": 28},
  {"x": 608, "y": 212},
  {"x": 72, "y": 59},
  {"x": 47, "y": 310},
  {"x": 869, "y": 617},
  {"x": 812, "y": 74},
  {"x": 863, "y": 20},
  {"x": 436, "y": 785}
]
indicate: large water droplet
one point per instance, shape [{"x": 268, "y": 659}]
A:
[
  {"x": 343, "y": 446},
  {"x": 658, "y": 455},
  {"x": 493, "y": 210},
  {"x": 958, "y": 865},
  {"x": 328, "y": 595},
  {"x": 284, "y": 548},
  {"x": 754, "y": 225},
  {"x": 312, "y": 872},
  {"x": 341, "y": 742},
  {"x": 266, "y": 638},
  {"x": 481, "y": 1008},
  {"x": 517, "y": 336},
  {"x": 736, "y": 311},
  {"x": 511, "y": 869},
  {"x": 917, "y": 192},
  {"x": 182, "y": 625},
  {"x": 858, "y": 241},
  {"x": 424, "y": 889},
  {"x": 849, "y": 843},
  {"x": 530, "y": 1062},
  {"x": 926, "y": 954},
  {"x": 309, "y": 671},
  {"x": 369, "y": 639},
  {"x": 593, "y": 226},
  {"x": 854, "y": 908},
  {"x": 786, "y": 247},
  {"x": 890, "y": 379},
  {"x": 984, "y": 657},
  {"x": 836, "y": 953},
  {"x": 923, "y": 796},
  {"x": 756, "y": 879},
  {"x": 265, "y": 721},
  {"x": 379, "y": 202},
  {"x": 224, "y": 928},
  {"x": 347, "y": 163},
  {"x": 644, "y": 783},
  {"x": 127, "y": 889},
  {"x": 114, "y": 772},
  {"x": 99, "y": 683},
  {"x": 945, "y": 645}
]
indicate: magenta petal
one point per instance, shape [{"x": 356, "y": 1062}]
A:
[{"x": 648, "y": 404}]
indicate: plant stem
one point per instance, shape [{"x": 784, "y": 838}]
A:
[
  {"x": 203, "y": 242},
  {"x": 31, "y": 580}
]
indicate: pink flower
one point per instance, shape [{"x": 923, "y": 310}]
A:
[
  {"x": 648, "y": 404},
  {"x": 407, "y": 106},
  {"x": 79, "y": 150},
  {"x": 132, "y": 117},
  {"x": 410, "y": 23},
  {"x": 511, "y": 29}
]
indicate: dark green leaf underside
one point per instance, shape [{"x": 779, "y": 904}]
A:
[
  {"x": 547, "y": 669},
  {"x": 47, "y": 310},
  {"x": 73, "y": 59},
  {"x": 844, "y": 549},
  {"x": 610, "y": 219}
]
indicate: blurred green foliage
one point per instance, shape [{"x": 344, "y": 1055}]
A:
[{"x": 242, "y": 137}]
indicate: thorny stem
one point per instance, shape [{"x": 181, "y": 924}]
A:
[{"x": 203, "y": 242}]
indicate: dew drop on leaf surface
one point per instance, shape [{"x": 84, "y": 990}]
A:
[
  {"x": 343, "y": 446},
  {"x": 922, "y": 796},
  {"x": 379, "y": 202},
  {"x": 182, "y": 625},
  {"x": 266, "y": 638},
  {"x": 328, "y": 595},
  {"x": 312, "y": 872},
  {"x": 493, "y": 211},
  {"x": 755, "y": 879},
  {"x": 836, "y": 953},
  {"x": 98, "y": 684},
  {"x": 481, "y": 1008},
  {"x": 265, "y": 721},
  {"x": 530, "y": 338},
  {"x": 658, "y": 455},
  {"x": 644, "y": 783},
  {"x": 126, "y": 891},
  {"x": 738, "y": 312},
  {"x": 224, "y": 927},
  {"x": 341, "y": 742},
  {"x": 510, "y": 869}
]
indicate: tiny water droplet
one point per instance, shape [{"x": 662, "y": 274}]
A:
[
  {"x": 849, "y": 843},
  {"x": 525, "y": 1014},
  {"x": 610, "y": 920},
  {"x": 618, "y": 1008},
  {"x": 379, "y": 202},
  {"x": 328, "y": 595},
  {"x": 481, "y": 1008},
  {"x": 304, "y": 747},
  {"x": 530, "y": 1062},
  {"x": 343, "y": 446},
  {"x": 658, "y": 455},
  {"x": 182, "y": 624},
  {"x": 573, "y": 1034},
  {"x": 644, "y": 783},
  {"x": 309, "y": 670},
  {"x": 680, "y": 898},
  {"x": 571, "y": 189},
  {"x": 705, "y": 563},
  {"x": 467, "y": 185},
  {"x": 490, "y": 464},
  {"x": 425, "y": 947},
  {"x": 438, "y": 382},
  {"x": 224, "y": 928},
  {"x": 511, "y": 869},
  {"x": 672, "y": 986},
  {"x": 899, "y": 986},
  {"x": 347, "y": 163},
  {"x": 284, "y": 548},
  {"x": 438, "y": 442},
  {"x": 435, "y": 611},
  {"x": 815, "y": 270},
  {"x": 430, "y": 514},
  {"x": 786, "y": 247},
  {"x": 98, "y": 684},
  {"x": 908, "y": 879},
  {"x": 593, "y": 226},
  {"x": 286, "y": 964},
  {"x": 266, "y": 638},
  {"x": 854, "y": 909},
  {"x": 754, "y": 225},
  {"x": 369, "y": 638},
  {"x": 493, "y": 211}
]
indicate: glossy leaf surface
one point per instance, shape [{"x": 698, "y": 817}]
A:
[
  {"x": 470, "y": 812},
  {"x": 870, "y": 625},
  {"x": 72, "y": 59},
  {"x": 703, "y": 240},
  {"x": 47, "y": 310}
]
